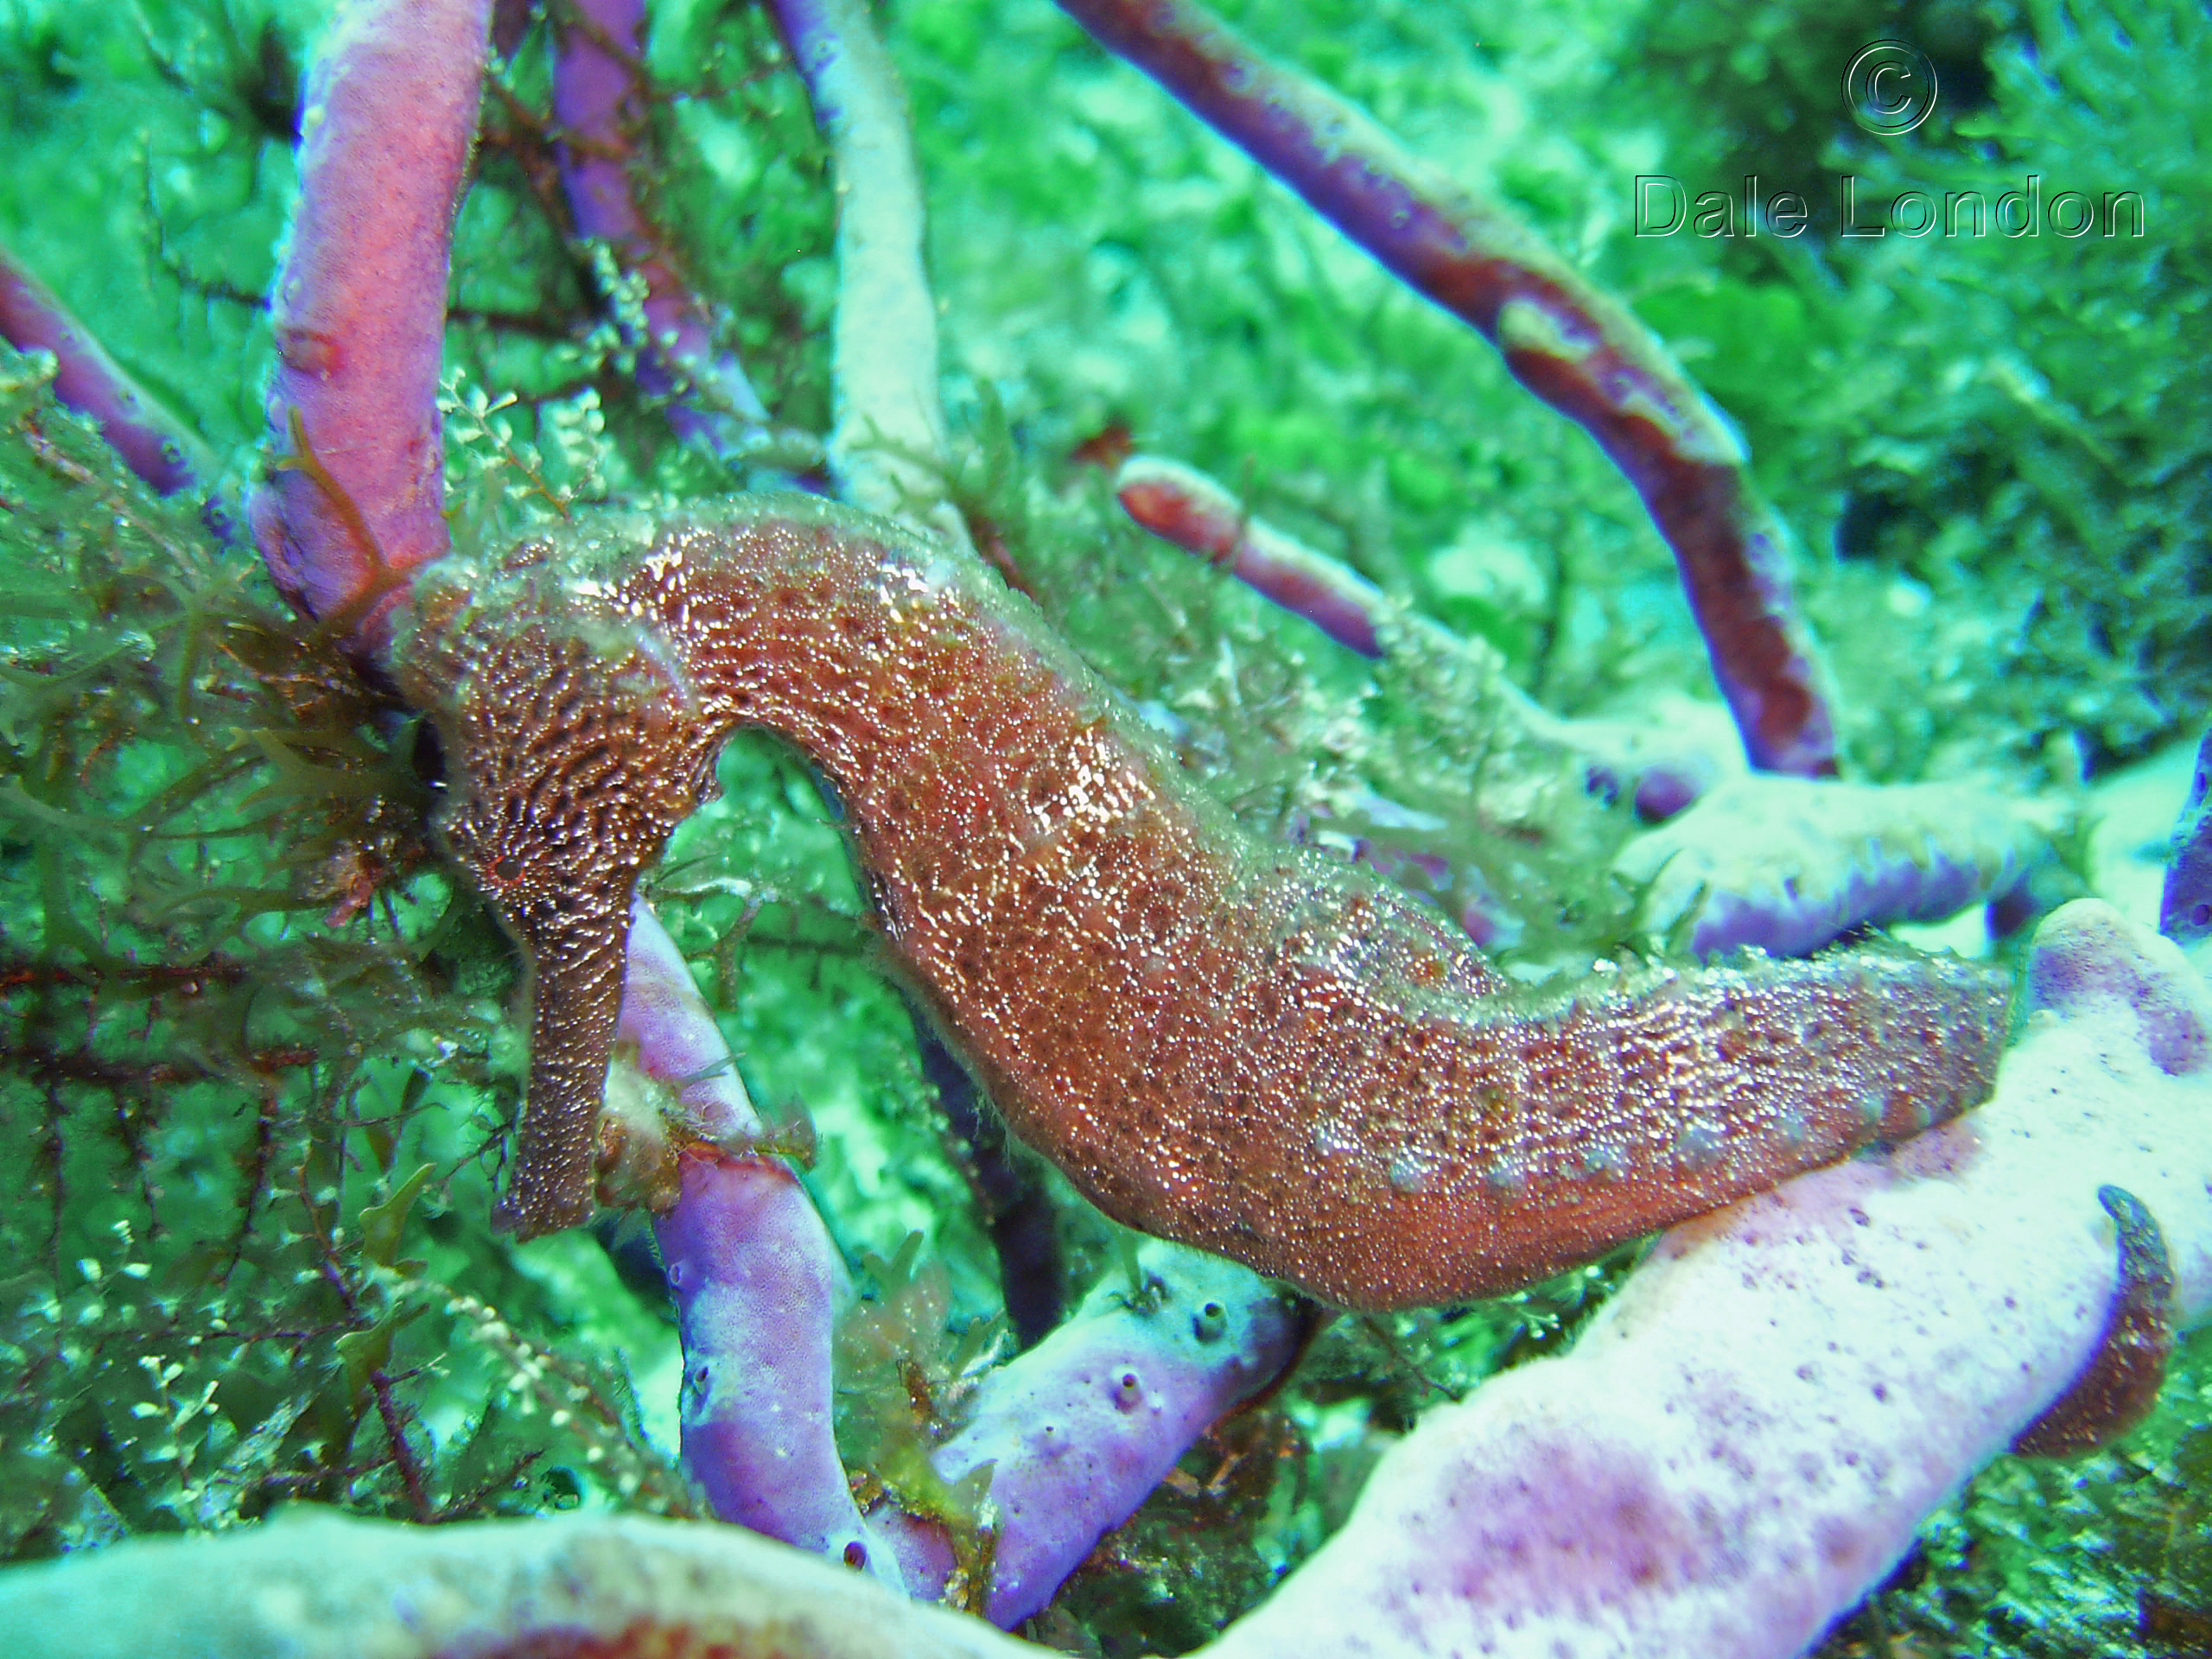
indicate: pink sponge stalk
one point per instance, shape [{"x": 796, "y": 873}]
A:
[
  {"x": 355, "y": 498},
  {"x": 1181, "y": 504},
  {"x": 757, "y": 1282}
]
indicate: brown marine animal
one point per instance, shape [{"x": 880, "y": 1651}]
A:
[{"x": 1244, "y": 1046}]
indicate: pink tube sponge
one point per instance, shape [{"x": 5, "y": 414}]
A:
[{"x": 358, "y": 498}]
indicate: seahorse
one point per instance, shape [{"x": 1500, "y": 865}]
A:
[{"x": 1244, "y": 1046}]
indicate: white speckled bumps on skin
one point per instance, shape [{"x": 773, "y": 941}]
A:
[{"x": 1746, "y": 1437}]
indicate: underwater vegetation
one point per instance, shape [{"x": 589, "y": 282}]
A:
[{"x": 319, "y": 948}]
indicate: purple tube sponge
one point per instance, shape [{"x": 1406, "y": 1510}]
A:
[
  {"x": 1788, "y": 864},
  {"x": 1080, "y": 1429},
  {"x": 152, "y": 443},
  {"x": 2185, "y": 908},
  {"x": 597, "y": 102},
  {"x": 355, "y": 498},
  {"x": 669, "y": 1034},
  {"x": 756, "y": 1279},
  {"x": 756, "y": 1282}
]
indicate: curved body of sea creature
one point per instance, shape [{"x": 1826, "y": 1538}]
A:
[{"x": 1240, "y": 1046}]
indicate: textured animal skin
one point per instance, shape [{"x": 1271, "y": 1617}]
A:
[{"x": 1243, "y": 1046}]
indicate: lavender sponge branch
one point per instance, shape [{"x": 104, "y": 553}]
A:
[
  {"x": 756, "y": 1280},
  {"x": 151, "y": 441},
  {"x": 598, "y": 101},
  {"x": 1573, "y": 346},
  {"x": 1182, "y": 505},
  {"x": 2185, "y": 907},
  {"x": 1078, "y": 1430},
  {"x": 1788, "y": 865},
  {"x": 355, "y": 498}
]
